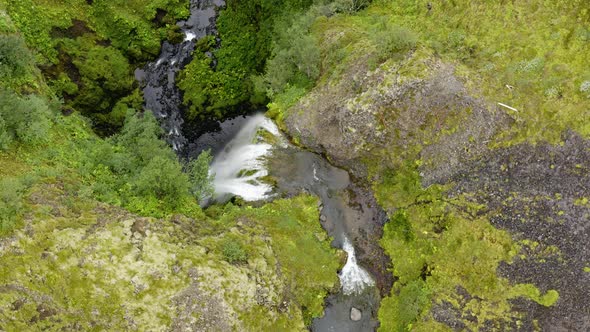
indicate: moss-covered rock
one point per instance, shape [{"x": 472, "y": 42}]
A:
[
  {"x": 86, "y": 265},
  {"x": 417, "y": 123}
]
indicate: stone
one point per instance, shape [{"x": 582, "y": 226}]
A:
[
  {"x": 323, "y": 218},
  {"x": 355, "y": 314}
]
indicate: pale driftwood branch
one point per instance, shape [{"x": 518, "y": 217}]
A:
[{"x": 508, "y": 107}]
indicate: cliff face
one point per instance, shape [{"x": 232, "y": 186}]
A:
[{"x": 432, "y": 134}]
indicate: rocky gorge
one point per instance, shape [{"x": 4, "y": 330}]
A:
[{"x": 419, "y": 166}]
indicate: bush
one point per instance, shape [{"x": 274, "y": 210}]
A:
[
  {"x": 26, "y": 120},
  {"x": 393, "y": 41},
  {"x": 199, "y": 176},
  {"x": 5, "y": 138},
  {"x": 140, "y": 137},
  {"x": 15, "y": 58},
  {"x": 11, "y": 205},
  {"x": 163, "y": 178},
  {"x": 138, "y": 170},
  {"x": 296, "y": 55},
  {"x": 233, "y": 252},
  {"x": 350, "y": 6}
]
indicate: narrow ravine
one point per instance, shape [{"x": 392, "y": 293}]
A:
[
  {"x": 253, "y": 149},
  {"x": 249, "y": 150},
  {"x": 158, "y": 78}
]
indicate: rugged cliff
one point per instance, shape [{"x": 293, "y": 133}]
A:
[{"x": 472, "y": 131}]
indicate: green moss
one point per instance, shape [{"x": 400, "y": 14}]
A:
[
  {"x": 533, "y": 293},
  {"x": 545, "y": 69},
  {"x": 438, "y": 245}
]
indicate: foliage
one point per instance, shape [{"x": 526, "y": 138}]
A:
[
  {"x": 11, "y": 206},
  {"x": 15, "y": 58},
  {"x": 540, "y": 74},
  {"x": 233, "y": 251},
  {"x": 201, "y": 180},
  {"x": 247, "y": 30},
  {"x": 350, "y": 6},
  {"x": 163, "y": 178},
  {"x": 299, "y": 242},
  {"x": 410, "y": 303},
  {"x": 392, "y": 41},
  {"x": 68, "y": 227},
  {"x": 25, "y": 120},
  {"x": 88, "y": 49},
  {"x": 439, "y": 245},
  {"x": 295, "y": 58},
  {"x": 135, "y": 166}
]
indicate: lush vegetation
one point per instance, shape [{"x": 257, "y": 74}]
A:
[
  {"x": 532, "y": 56},
  {"x": 88, "y": 50},
  {"x": 82, "y": 248},
  {"x": 252, "y": 32},
  {"x": 441, "y": 247},
  {"x": 269, "y": 267}
]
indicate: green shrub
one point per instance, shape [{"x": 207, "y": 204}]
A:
[
  {"x": 393, "y": 41},
  {"x": 5, "y": 137},
  {"x": 350, "y": 6},
  {"x": 248, "y": 31},
  {"x": 138, "y": 170},
  {"x": 23, "y": 119},
  {"x": 163, "y": 178},
  {"x": 233, "y": 252},
  {"x": 200, "y": 179},
  {"x": 11, "y": 203},
  {"x": 15, "y": 58},
  {"x": 295, "y": 57}
]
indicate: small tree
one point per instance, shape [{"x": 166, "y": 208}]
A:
[
  {"x": 25, "y": 119},
  {"x": 15, "y": 58},
  {"x": 201, "y": 180},
  {"x": 162, "y": 178}
]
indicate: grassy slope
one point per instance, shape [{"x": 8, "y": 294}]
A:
[
  {"x": 70, "y": 261},
  {"x": 530, "y": 55}
]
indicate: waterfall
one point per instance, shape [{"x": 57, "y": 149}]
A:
[
  {"x": 239, "y": 167},
  {"x": 353, "y": 278}
]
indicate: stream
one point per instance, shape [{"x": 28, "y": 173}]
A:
[
  {"x": 158, "y": 79},
  {"x": 248, "y": 149}
]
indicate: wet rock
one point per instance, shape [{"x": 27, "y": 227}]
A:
[
  {"x": 323, "y": 218},
  {"x": 355, "y": 314}
]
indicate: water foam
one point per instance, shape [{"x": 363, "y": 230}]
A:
[
  {"x": 353, "y": 278},
  {"x": 239, "y": 167},
  {"x": 189, "y": 36}
]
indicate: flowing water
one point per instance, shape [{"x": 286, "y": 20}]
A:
[
  {"x": 239, "y": 168},
  {"x": 253, "y": 149},
  {"x": 247, "y": 149},
  {"x": 161, "y": 95},
  {"x": 353, "y": 278}
]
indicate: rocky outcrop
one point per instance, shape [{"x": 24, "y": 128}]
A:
[
  {"x": 86, "y": 265},
  {"x": 419, "y": 110}
]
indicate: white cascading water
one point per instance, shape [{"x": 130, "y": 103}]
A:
[
  {"x": 353, "y": 278},
  {"x": 238, "y": 169}
]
